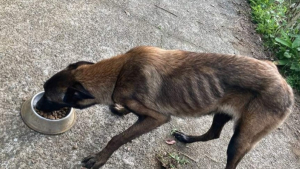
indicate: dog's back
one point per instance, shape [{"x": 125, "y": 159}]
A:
[{"x": 192, "y": 84}]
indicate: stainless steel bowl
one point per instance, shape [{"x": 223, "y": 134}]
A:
[{"x": 43, "y": 125}]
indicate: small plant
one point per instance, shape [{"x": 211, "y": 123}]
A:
[
  {"x": 293, "y": 80},
  {"x": 289, "y": 50},
  {"x": 173, "y": 131},
  {"x": 281, "y": 32},
  {"x": 269, "y": 15},
  {"x": 172, "y": 160},
  {"x": 179, "y": 160},
  {"x": 172, "y": 166}
]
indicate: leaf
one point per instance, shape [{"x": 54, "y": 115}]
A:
[
  {"x": 282, "y": 62},
  {"x": 284, "y": 34},
  {"x": 283, "y": 42},
  {"x": 287, "y": 54},
  {"x": 295, "y": 66},
  {"x": 294, "y": 35},
  {"x": 280, "y": 1},
  {"x": 295, "y": 53},
  {"x": 173, "y": 131},
  {"x": 296, "y": 43}
]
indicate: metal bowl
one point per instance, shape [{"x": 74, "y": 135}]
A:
[{"x": 43, "y": 125}]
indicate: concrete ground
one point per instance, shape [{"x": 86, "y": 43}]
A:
[{"x": 41, "y": 37}]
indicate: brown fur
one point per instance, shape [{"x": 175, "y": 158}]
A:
[
  {"x": 194, "y": 79},
  {"x": 154, "y": 84}
]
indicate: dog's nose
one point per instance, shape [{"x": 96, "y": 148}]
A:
[{"x": 38, "y": 105}]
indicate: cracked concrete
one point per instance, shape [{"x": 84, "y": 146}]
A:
[{"x": 41, "y": 37}]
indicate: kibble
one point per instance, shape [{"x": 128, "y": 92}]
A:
[{"x": 55, "y": 115}]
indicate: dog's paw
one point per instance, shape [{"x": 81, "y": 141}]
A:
[
  {"x": 92, "y": 162},
  {"x": 180, "y": 136},
  {"x": 118, "y": 110}
]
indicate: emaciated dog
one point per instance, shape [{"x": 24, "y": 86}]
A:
[{"x": 154, "y": 84}]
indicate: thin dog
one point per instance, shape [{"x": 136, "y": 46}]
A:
[{"x": 155, "y": 84}]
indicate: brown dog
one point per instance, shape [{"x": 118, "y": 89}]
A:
[{"x": 154, "y": 84}]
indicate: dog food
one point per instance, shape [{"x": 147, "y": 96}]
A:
[{"x": 55, "y": 115}]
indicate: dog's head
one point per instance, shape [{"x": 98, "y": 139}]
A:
[{"x": 62, "y": 90}]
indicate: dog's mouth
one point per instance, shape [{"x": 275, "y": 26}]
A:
[{"x": 48, "y": 106}]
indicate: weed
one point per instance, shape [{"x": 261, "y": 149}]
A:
[
  {"x": 281, "y": 31},
  {"x": 173, "y": 131},
  {"x": 288, "y": 50},
  {"x": 172, "y": 160},
  {"x": 178, "y": 159},
  {"x": 268, "y": 15}
]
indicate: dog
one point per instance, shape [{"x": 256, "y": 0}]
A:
[{"x": 155, "y": 84}]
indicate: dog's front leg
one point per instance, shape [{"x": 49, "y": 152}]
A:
[{"x": 147, "y": 121}]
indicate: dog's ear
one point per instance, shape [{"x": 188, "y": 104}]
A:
[
  {"x": 77, "y": 92},
  {"x": 77, "y": 64}
]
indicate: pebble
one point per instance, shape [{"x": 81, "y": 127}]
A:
[
  {"x": 75, "y": 147},
  {"x": 128, "y": 161}
]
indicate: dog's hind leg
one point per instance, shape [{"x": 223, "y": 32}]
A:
[
  {"x": 118, "y": 110},
  {"x": 220, "y": 119},
  {"x": 249, "y": 130}
]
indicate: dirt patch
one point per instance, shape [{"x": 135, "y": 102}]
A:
[{"x": 248, "y": 42}]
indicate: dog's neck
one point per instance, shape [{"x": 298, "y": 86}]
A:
[{"x": 100, "y": 78}]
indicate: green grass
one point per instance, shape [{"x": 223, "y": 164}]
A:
[{"x": 281, "y": 33}]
